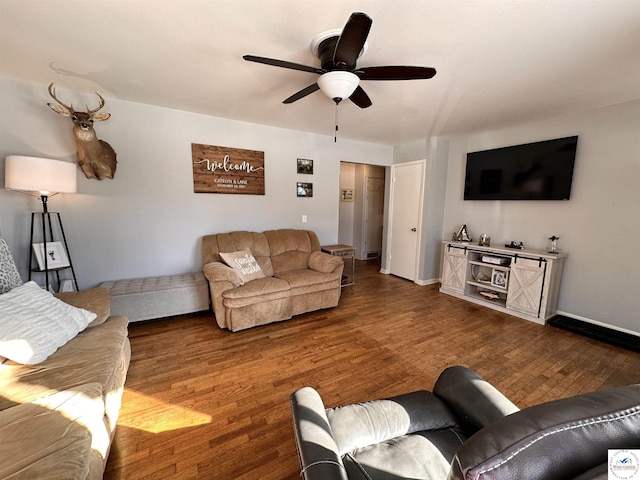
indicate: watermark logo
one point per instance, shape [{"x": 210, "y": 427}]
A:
[{"x": 624, "y": 464}]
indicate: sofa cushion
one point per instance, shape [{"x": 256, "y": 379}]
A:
[
  {"x": 423, "y": 455},
  {"x": 36, "y": 323},
  {"x": 256, "y": 291},
  {"x": 306, "y": 281},
  {"x": 257, "y": 242},
  {"x": 290, "y": 249},
  {"x": 96, "y": 300},
  {"x": 244, "y": 264},
  {"x": 94, "y": 355},
  {"x": 59, "y": 436}
]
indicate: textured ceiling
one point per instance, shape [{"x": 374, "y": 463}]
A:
[{"x": 499, "y": 62}]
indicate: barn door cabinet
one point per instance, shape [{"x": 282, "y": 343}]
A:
[
  {"x": 524, "y": 283},
  {"x": 454, "y": 270}
]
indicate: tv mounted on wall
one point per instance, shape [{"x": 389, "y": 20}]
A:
[{"x": 534, "y": 171}]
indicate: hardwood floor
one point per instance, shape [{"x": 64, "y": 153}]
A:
[{"x": 201, "y": 402}]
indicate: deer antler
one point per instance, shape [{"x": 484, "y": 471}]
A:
[
  {"x": 91, "y": 112},
  {"x": 52, "y": 92}
]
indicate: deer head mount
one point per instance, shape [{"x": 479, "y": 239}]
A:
[{"x": 95, "y": 157}]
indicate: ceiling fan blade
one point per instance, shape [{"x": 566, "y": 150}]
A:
[
  {"x": 351, "y": 41},
  {"x": 283, "y": 64},
  {"x": 302, "y": 93},
  {"x": 360, "y": 98},
  {"x": 395, "y": 73}
]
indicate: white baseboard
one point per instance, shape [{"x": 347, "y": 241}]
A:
[
  {"x": 596, "y": 322},
  {"x": 422, "y": 283}
]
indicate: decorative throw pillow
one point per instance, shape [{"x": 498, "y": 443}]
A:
[
  {"x": 9, "y": 276},
  {"x": 35, "y": 323},
  {"x": 244, "y": 264}
]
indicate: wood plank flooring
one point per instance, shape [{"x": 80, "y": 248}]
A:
[{"x": 201, "y": 402}]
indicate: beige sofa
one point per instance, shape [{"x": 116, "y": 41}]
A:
[
  {"x": 297, "y": 277},
  {"x": 58, "y": 417}
]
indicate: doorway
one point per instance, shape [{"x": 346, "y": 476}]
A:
[{"x": 361, "y": 212}]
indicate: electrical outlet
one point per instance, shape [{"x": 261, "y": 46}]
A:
[{"x": 304, "y": 219}]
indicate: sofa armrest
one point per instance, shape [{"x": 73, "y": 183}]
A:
[
  {"x": 565, "y": 438},
  {"x": 221, "y": 278},
  {"x": 219, "y": 272},
  {"x": 317, "y": 450},
  {"x": 473, "y": 400},
  {"x": 324, "y": 262},
  {"x": 96, "y": 300}
]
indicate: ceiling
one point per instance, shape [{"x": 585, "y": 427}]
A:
[{"x": 499, "y": 62}]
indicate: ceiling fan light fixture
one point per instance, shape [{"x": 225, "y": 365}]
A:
[{"x": 338, "y": 85}]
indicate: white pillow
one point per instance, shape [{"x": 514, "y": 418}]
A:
[
  {"x": 34, "y": 324},
  {"x": 244, "y": 264}
]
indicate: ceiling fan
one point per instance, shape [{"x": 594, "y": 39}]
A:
[{"x": 338, "y": 52}]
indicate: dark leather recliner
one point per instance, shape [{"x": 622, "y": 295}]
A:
[{"x": 465, "y": 429}]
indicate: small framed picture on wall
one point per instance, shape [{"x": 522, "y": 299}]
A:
[
  {"x": 305, "y": 166},
  {"x": 304, "y": 189},
  {"x": 346, "y": 195}
]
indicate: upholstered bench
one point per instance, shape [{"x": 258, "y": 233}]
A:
[{"x": 157, "y": 297}]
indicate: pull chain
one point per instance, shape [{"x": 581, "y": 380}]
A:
[{"x": 335, "y": 135}]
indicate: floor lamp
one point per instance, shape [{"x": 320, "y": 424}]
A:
[{"x": 46, "y": 177}]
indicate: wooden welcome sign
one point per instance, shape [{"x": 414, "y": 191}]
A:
[{"x": 227, "y": 170}]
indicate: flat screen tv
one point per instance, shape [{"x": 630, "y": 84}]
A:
[{"x": 534, "y": 171}]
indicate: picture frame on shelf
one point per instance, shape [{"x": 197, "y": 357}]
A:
[
  {"x": 499, "y": 278},
  {"x": 346, "y": 195},
  {"x": 56, "y": 255},
  {"x": 304, "y": 189},
  {"x": 305, "y": 166}
]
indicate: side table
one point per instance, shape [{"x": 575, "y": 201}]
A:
[{"x": 348, "y": 255}]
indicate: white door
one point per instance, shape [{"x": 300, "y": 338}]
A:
[{"x": 404, "y": 221}]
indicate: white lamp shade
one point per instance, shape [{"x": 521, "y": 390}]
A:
[
  {"x": 35, "y": 174},
  {"x": 338, "y": 84}
]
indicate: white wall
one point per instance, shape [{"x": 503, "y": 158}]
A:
[
  {"x": 147, "y": 220},
  {"x": 435, "y": 194},
  {"x": 436, "y": 152},
  {"x": 346, "y": 212},
  {"x": 599, "y": 226}
]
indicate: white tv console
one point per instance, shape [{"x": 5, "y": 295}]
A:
[{"x": 523, "y": 283}]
